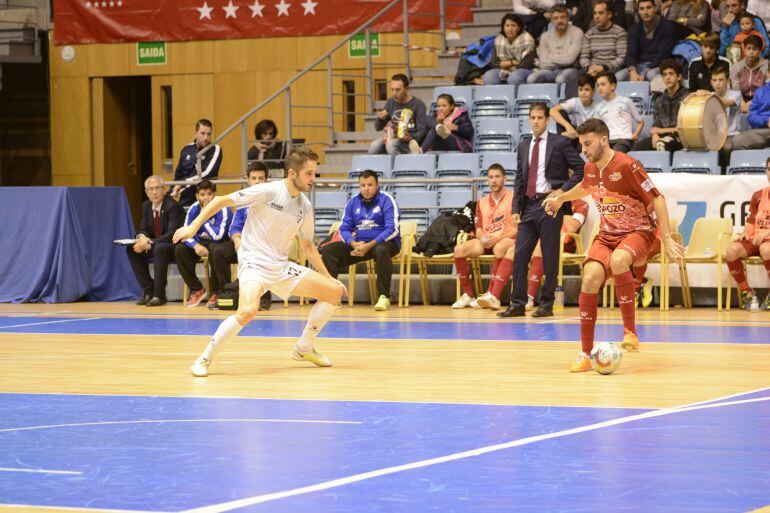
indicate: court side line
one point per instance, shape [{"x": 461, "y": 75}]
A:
[
  {"x": 259, "y": 499},
  {"x": 41, "y": 471},
  {"x": 50, "y": 322},
  {"x": 169, "y": 421}
]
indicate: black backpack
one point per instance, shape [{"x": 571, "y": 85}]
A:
[{"x": 228, "y": 297}]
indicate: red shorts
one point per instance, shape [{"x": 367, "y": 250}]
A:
[
  {"x": 569, "y": 245},
  {"x": 751, "y": 248},
  {"x": 636, "y": 243},
  {"x": 655, "y": 249}
]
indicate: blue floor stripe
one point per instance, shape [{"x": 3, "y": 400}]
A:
[{"x": 390, "y": 330}]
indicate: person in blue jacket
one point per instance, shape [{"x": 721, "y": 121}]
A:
[
  {"x": 369, "y": 230},
  {"x": 759, "y": 120},
  {"x": 190, "y": 251},
  {"x": 731, "y": 25}
]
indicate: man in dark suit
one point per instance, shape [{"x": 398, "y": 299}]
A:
[
  {"x": 544, "y": 164},
  {"x": 161, "y": 217}
]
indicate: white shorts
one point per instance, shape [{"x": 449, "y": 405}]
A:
[{"x": 281, "y": 277}]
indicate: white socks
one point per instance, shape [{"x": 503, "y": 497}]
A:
[
  {"x": 319, "y": 315},
  {"x": 227, "y": 330}
]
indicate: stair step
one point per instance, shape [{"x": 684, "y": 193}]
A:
[
  {"x": 434, "y": 72},
  {"x": 487, "y": 15},
  {"x": 356, "y": 136},
  {"x": 23, "y": 17}
]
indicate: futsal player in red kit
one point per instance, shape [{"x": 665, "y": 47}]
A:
[{"x": 625, "y": 198}]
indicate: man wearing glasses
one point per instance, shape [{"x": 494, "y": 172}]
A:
[{"x": 161, "y": 217}]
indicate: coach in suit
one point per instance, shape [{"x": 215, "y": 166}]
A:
[
  {"x": 161, "y": 217},
  {"x": 544, "y": 164}
]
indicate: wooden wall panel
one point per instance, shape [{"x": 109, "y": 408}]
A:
[
  {"x": 70, "y": 131},
  {"x": 110, "y": 60}
]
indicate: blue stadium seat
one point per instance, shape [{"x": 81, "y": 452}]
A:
[
  {"x": 493, "y": 101},
  {"x": 639, "y": 92},
  {"x": 498, "y": 135},
  {"x": 457, "y": 165},
  {"x": 463, "y": 96},
  {"x": 647, "y": 125},
  {"x": 528, "y": 94},
  {"x": 381, "y": 164},
  {"x": 743, "y": 162},
  {"x": 413, "y": 166},
  {"x": 330, "y": 199},
  {"x": 417, "y": 206},
  {"x": 454, "y": 199},
  {"x": 507, "y": 160},
  {"x": 653, "y": 161},
  {"x": 525, "y": 130},
  {"x": 705, "y": 162}
]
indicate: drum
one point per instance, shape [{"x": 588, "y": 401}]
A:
[{"x": 702, "y": 122}]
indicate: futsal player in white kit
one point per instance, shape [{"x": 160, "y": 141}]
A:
[{"x": 277, "y": 212}]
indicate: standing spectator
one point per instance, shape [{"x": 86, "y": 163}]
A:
[
  {"x": 663, "y": 134},
  {"x": 747, "y": 29},
  {"x": 369, "y": 230},
  {"x": 701, "y": 67},
  {"x": 731, "y": 26},
  {"x": 267, "y": 148},
  {"x": 544, "y": 163},
  {"x": 760, "y": 8},
  {"x": 186, "y": 168},
  {"x": 161, "y": 217},
  {"x": 226, "y": 253},
  {"x": 451, "y": 129},
  {"x": 403, "y": 120},
  {"x": 579, "y": 109},
  {"x": 618, "y": 113},
  {"x": 189, "y": 252},
  {"x": 693, "y": 14},
  {"x": 558, "y": 53},
  {"x": 605, "y": 45},
  {"x": 759, "y": 121},
  {"x": 749, "y": 74},
  {"x": 649, "y": 42},
  {"x": 511, "y": 46}
]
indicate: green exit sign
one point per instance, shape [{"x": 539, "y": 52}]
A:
[
  {"x": 357, "y": 46},
  {"x": 153, "y": 52}
]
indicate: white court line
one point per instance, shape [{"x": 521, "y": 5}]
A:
[
  {"x": 41, "y": 471},
  {"x": 49, "y": 322},
  {"x": 259, "y": 499},
  {"x": 169, "y": 421}
]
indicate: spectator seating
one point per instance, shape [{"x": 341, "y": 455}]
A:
[
  {"x": 639, "y": 92},
  {"x": 417, "y": 205},
  {"x": 493, "y": 101},
  {"x": 653, "y": 161},
  {"x": 411, "y": 167},
  {"x": 500, "y": 135},
  {"x": 450, "y": 200},
  {"x": 527, "y": 94},
  {"x": 381, "y": 164},
  {"x": 648, "y": 119},
  {"x": 747, "y": 162},
  {"x": 509, "y": 161},
  {"x": 328, "y": 209},
  {"x": 708, "y": 241},
  {"x": 463, "y": 96},
  {"x": 704, "y": 162},
  {"x": 457, "y": 165}
]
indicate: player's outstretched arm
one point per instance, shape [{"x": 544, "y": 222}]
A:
[
  {"x": 552, "y": 204},
  {"x": 209, "y": 210},
  {"x": 674, "y": 250}
]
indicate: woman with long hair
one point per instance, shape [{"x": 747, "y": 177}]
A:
[
  {"x": 451, "y": 129},
  {"x": 511, "y": 46}
]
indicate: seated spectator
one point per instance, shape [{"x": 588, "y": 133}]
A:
[
  {"x": 731, "y": 99},
  {"x": 663, "y": 134},
  {"x": 451, "y": 129},
  {"x": 759, "y": 121},
  {"x": 535, "y": 14},
  {"x": 403, "y": 120},
  {"x": 161, "y": 217},
  {"x": 750, "y": 73},
  {"x": 582, "y": 13},
  {"x": 558, "y": 53},
  {"x": 268, "y": 148},
  {"x": 731, "y": 26},
  {"x": 761, "y": 9},
  {"x": 189, "y": 252},
  {"x": 495, "y": 235},
  {"x": 369, "y": 230},
  {"x": 226, "y": 253},
  {"x": 511, "y": 46},
  {"x": 700, "y": 67},
  {"x": 693, "y": 14},
  {"x": 579, "y": 109},
  {"x": 747, "y": 29},
  {"x": 605, "y": 45},
  {"x": 649, "y": 42},
  {"x": 188, "y": 158},
  {"x": 618, "y": 113},
  {"x": 570, "y": 226}
]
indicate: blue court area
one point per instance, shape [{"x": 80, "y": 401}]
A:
[
  {"x": 255, "y": 455},
  {"x": 267, "y": 327}
]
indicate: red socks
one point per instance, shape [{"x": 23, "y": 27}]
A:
[
  {"x": 624, "y": 291},
  {"x": 736, "y": 270},
  {"x": 588, "y": 305},
  {"x": 535, "y": 275},
  {"x": 504, "y": 271},
  {"x": 492, "y": 273},
  {"x": 639, "y": 273},
  {"x": 464, "y": 275}
]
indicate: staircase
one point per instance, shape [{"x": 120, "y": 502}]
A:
[
  {"x": 486, "y": 21},
  {"x": 20, "y": 23}
]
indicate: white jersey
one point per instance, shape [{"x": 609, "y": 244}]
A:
[{"x": 273, "y": 220}]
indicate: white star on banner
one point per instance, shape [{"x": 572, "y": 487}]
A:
[
  {"x": 88, "y": 5},
  {"x": 230, "y": 10},
  {"x": 112, "y": 3},
  {"x": 205, "y": 11},
  {"x": 256, "y": 9},
  {"x": 104, "y": 4},
  {"x": 309, "y": 6},
  {"x": 120, "y": 3},
  {"x": 283, "y": 8}
]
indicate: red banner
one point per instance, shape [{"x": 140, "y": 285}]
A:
[{"x": 117, "y": 21}]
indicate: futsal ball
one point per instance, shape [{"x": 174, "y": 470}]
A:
[{"x": 605, "y": 358}]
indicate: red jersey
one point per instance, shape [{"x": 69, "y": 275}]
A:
[
  {"x": 759, "y": 214},
  {"x": 579, "y": 211},
  {"x": 623, "y": 194},
  {"x": 494, "y": 217}
]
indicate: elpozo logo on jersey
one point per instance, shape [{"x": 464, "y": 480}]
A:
[{"x": 611, "y": 207}]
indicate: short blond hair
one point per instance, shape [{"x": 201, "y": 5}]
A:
[{"x": 298, "y": 157}]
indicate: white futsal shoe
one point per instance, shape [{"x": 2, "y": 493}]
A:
[
  {"x": 487, "y": 300},
  {"x": 464, "y": 302},
  {"x": 530, "y": 304},
  {"x": 200, "y": 368},
  {"x": 311, "y": 356}
]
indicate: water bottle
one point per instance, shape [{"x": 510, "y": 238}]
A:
[
  {"x": 558, "y": 300},
  {"x": 754, "y": 304},
  {"x": 484, "y": 240},
  {"x": 708, "y": 253}
]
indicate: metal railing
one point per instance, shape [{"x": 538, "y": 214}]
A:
[{"x": 285, "y": 90}]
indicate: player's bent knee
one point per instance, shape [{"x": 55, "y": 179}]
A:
[
  {"x": 620, "y": 262},
  {"x": 246, "y": 314}
]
